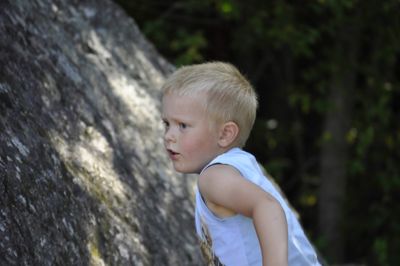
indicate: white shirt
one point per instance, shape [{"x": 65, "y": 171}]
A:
[{"x": 233, "y": 240}]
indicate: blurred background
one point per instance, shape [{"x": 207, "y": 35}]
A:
[{"x": 328, "y": 129}]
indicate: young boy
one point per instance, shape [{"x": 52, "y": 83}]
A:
[{"x": 241, "y": 219}]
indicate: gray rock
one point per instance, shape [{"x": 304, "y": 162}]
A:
[{"x": 84, "y": 179}]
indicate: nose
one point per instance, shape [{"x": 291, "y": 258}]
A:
[{"x": 169, "y": 135}]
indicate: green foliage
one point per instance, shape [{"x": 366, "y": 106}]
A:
[
  {"x": 188, "y": 46},
  {"x": 290, "y": 50}
]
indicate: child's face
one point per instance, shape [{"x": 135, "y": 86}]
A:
[{"x": 189, "y": 139}]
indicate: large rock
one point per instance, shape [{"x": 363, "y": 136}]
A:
[{"x": 84, "y": 179}]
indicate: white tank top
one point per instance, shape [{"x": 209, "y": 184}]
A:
[{"x": 233, "y": 240}]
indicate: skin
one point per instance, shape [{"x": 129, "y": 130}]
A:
[{"x": 192, "y": 143}]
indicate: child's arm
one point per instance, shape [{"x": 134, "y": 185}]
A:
[{"x": 223, "y": 186}]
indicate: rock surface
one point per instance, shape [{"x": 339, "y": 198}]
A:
[{"x": 84, "y": 179}]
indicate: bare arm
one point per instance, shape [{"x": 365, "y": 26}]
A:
[{"x": 222, "y": 185}]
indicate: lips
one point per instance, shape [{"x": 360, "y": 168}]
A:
[{"x": 173, "y": 155}]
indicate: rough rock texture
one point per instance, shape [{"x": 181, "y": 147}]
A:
[{"x": 84, "y": 179}]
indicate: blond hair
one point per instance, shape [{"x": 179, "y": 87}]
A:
[{"x": 229, "y": 95}]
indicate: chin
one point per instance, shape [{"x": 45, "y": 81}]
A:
[{"x": 186, "y": 170}]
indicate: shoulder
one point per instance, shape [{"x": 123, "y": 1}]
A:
[
  {"x": 217, "y": 174},
  {"x": 224, "y": 186},
  {"x": 226, "y": 169},
  {"x": 218, "y": 185},
  {"x": 215, "y": 184},
  {"x": 218, "y": 179}
]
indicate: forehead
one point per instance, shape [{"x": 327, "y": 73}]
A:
[{"x": 174, "y": 104}]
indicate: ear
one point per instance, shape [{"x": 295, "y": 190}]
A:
[{"x": 228, "y": 134}]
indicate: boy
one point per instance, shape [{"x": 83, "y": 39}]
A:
[{"x": 241, "y": 219}]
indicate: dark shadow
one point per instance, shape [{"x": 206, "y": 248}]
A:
[{"x": 43, "y": 215}]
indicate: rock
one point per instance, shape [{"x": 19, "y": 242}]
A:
[{"x": 84, "y": 179}]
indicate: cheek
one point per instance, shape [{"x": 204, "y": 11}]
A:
[
  {"x": 189, "y": 145},
  {"x": 192, "y": 143}
]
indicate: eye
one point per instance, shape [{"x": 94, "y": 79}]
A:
[
  {"x": 182, "y": 126},
  {"x": 166, "y": 124}
]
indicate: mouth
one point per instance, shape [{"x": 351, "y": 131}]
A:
[{"x": 172, "y": 154}]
